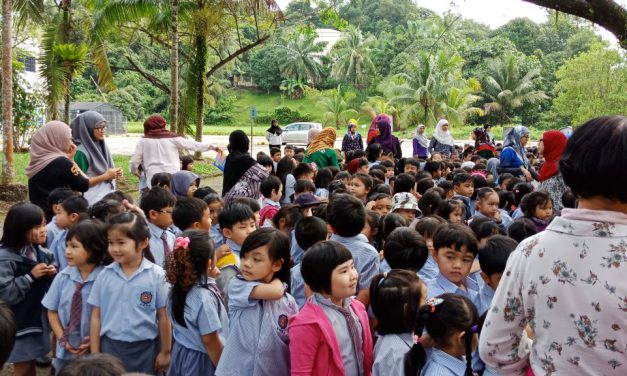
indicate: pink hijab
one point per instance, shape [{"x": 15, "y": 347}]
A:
[{"x": 49, "y": 143}]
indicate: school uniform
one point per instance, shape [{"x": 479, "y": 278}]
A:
[
  {"x": 258, "y": 338},
  {"x": 60, "y": 297},
  {"x": 52, "y": 231},
  {"x": 297, "y": 286},
  {"x": 429, "y": 270},
  {"x": 158, "y": 239},
  {"x": 288, "y": 190},
  {"x": 443, "y": 364},
  {"x": 24, "y": 293},
  {"x": 486, "y": 294},
  {"x": 389, "y": 354},
  {"x": 322, "y": 192},
  {"x": 228, "y": 272},
  {"x": 215, "y": 233},
  {"x": 295, "y": 250},
  {"x": 365, "y": 257},
  {"x": 506, "y": 220},
  {"x": 466, "y": 201},
  {"x": 384, "y": 267},
  {"x": 128, "y": 313},
  {"x": 58, "y": 249},
  {"x": 204, "y": 313}
]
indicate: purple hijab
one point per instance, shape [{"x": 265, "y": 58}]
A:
[{"x": 385, "y": 138}]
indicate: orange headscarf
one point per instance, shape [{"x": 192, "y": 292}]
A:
[{"x": 324, "y": 140}]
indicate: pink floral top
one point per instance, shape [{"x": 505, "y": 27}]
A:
[{"x": 569, "y": 284}]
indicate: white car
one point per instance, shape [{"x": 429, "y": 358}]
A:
[{"x": 296, "y": 133}]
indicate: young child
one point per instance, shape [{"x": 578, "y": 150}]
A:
[
  {"x": 158, "y": 205},
  {"x": 371, "y": 228},
  {"x": 272, "y": 190},
  {"x": 163, "y": 180},
  {"x": 266, "y": 162},
  {"x": 405, "y": 249},
  {"x": 259, "y": 307},
  {"x": 492, "y": 259},
  {"x": 521, "y": 228},
  {"x": 360, "y": 186},
  {"x": 412, "y": 166},
  {"x": 66, "y": 301},
  {"x": 331, "y": 334},
  {"x": 426, "y": 227},
  {"x": 288, "y": 150},
  {"x": 303, "y": 186},
  {"x": 286, "y": 219},
  {"x": 463, "y": 186},
  {"x": 54, "y": 201},
  {"x": 322, "y": 180},
  {"x": 26, "y": 272},
  {"x": 307, "y": 232},
  {"x": 380, "y": 203},
  {"x": 395, "y": 297},
  {"x": 198, "y": 314},
  {"x": 215, "y": 204},
  {"x": 452, "y": 210},
  {"x": 187, "y": 163},
  {"x": 184, "y": 183},
  {"x": 128, "y": 299},
  {"x": 347, "y": 217},
  {"x": 237, "y": 221},
  {"x": 275, "y": 154},
  {"x": 191, "y": 213},
  {"x": 105, "y": 208},
  {"x": 71, "y": 210},
  {"x": 405, "y": 204},
  {"x": 488, "y": 206},
  {"x": 455, "y": 250},
  {"x": 539, "y": 208},
  {"x": 450, "y": 320}
]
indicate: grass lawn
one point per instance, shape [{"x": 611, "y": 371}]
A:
[{"x": 128, "y": 183}]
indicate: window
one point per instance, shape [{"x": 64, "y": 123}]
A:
[{"x": 30, "y": 64}]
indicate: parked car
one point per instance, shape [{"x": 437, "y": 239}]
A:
[{"x": 296, "y": 133}]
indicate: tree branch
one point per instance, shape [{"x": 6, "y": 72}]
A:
[
  {"x": 236, "y": 53},
  {"x": 606, "y": 13},
  {"x": 152, "y": 79}
]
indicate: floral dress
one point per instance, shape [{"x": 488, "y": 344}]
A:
[{"x": 568, "y": 285}]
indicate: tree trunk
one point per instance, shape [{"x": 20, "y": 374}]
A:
[
  {"x": 174, "y": 72},
  {"x": 7, "y": 92},
  {"x": 66, "y": 105},
  {"x": 201, "y": 66}
]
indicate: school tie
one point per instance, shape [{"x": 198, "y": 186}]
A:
[
  {"x": 166, "y": 247},
  {"x": 76, "y": 312},
  {"x": 354, "y": 333}
]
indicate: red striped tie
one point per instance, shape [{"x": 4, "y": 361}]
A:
[{"x": 76, "y": 312}]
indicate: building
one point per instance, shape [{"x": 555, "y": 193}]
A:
[{"x": 116, "y": 122}]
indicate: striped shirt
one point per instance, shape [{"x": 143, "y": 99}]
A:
[
  {"x": 389, "y": 354},
  {"x": 443, "y": 364},
  {"x": 366, "y": 258}
]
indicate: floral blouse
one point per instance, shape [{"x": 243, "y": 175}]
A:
[
  {"x": 569, "y": 284},
  {"x": 556, "y": 187}
]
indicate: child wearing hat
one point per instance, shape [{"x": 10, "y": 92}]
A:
[{"x": 406, "y": 204}]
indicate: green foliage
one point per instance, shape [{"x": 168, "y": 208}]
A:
[
  {"x": 336, "y": 107},
  {"x": 287, "y": 115},
  {"x": 352, "y": 62},
  {"x": 298, "y": 58},
  {"x": 223, "y": 110},
  {"x": 590, "y": 85},
  {"x": 293, "y": 87},
  {"x": 376, "y": 16},
  {"x": 265, "y": 67}
]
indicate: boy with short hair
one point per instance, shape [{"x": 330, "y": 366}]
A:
[
  {"x": 455, "y": 248},
  {"x": 389, "y": 170},
  {"x": 412, "y": 166},
  {"x": 191, "y": 213},
  {"x": 464, "y": 186},
  {"x": 405, "y": 183},
  {"x": 289, "y": 151},
  {"x": 492, "y": 259},
  {"x": 275, "y": 154},
  {"x": 158, "y": 205},
  {"x": 271, "y": 189},
  {"x": 54, "y": 202},
  {"x": 237, "y": 221},
  {"x": 308, "y": 231},
  {"x": 435, "y": 169},
  {"x": 347, "y": 217}
]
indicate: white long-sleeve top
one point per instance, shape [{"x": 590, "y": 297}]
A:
[
  {"x": 273, "y": 139},
  {"x": 162, "y": 154}
]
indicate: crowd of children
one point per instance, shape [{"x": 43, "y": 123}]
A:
[{"x": 384, "y": 267}]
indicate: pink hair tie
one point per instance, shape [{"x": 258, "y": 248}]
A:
[{"x": 181, "y": 242}]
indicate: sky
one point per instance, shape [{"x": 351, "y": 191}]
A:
[{"x": 493, "y": 13}]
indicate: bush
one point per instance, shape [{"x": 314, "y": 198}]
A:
[
  {"x": 223, "y": 110},
  {"x": 284, "y": 115}
]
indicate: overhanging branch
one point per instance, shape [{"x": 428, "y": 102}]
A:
[
  {"x": 152, "y": 79},
  {"x": 236, "y": 53}
]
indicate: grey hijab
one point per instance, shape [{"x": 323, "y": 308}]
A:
[
  {"x": 181, "y": 180},
  {"x": 97, "y": 152}
]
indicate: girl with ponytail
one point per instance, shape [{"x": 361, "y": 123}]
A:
[{"x": 450, "y": 320}]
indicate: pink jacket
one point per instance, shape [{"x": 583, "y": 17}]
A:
[{"x": 314, "y": 349}]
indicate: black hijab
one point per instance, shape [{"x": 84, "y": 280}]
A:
[
  {"x": 238, "y": 161},
  {"x": 274, "y": 128}
]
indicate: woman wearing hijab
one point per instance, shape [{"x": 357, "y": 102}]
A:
[
  {"x": 483, "y": 147},
  {"x": 383, "y": 125},
  {"x": 321, "y": 151},
  {"x": 274, "y": 135},
  {"x": 312, "y": 134},
  {"x": 514, "y": 155},
  {"x": 352, "y": 140},
  {"x": 242, "y": 174},
  {"x": 421, "y": 143},
  {"x": 158, "y": 150},
  {"x": 442, "y": 141},
  {"x": 92, "y": 154},
  {"x": 551, "y": 147},
  {"x": 51, "y": 165}
]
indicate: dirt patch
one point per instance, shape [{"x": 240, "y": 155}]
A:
[{"x": 13, "y": 192}]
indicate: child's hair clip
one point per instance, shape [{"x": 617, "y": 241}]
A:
[
  {"x": 434, "y": 302},
  {"x": 181, "y": 243},
  {"x": 475, "y": 328}
]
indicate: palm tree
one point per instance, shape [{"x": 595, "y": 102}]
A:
[
  {"x": 72, "y": 58},
  {"x": 381, "y": 105},
  {"x": 506, "y": 90},
  {"x": 352, "y": 61},
  {"x": 174, "y": 68},
  {"x": 300, "y": 59},
  {"x": 336, "y": 107}
]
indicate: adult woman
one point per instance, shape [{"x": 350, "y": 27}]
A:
[
  {"x": 483, "y": 147},
  {"x": 384, "y": 137},
  {"x": 51, "y": 165},
  {"x": 242, "y": 174},
  {"x": 158, "y": 150},
  {"x": 514, "y": 155},
  {"x": 312, "y": 134},
  {"x": 420, "y": 143},
  {"x": 274, "y": 135},
  {"x": 352, "y": 140},
  {"x": 551, "y": 147},
  {"x": 93, "y": 155},
  {"x": 321, "y": 150},
  {"x": 442, "y": 141},
  {"x": 570, "y": 279}
]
